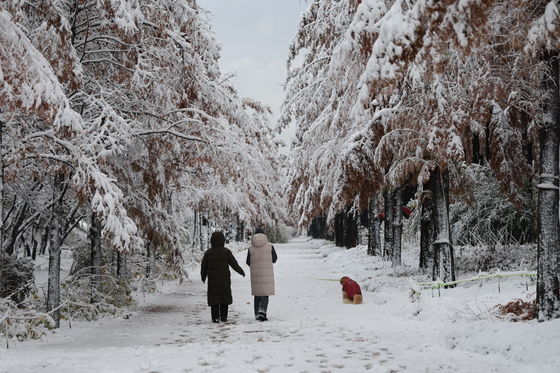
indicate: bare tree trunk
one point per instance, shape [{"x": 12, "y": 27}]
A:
[
  {"x": 374, "y": 231},
  {"x": 56, "y": 226},
  {"x": 2, "y": 194},
  {"x": 122, "y": 269},
  {"x": 45, "y": 238},
  {"x": 169, "y": 202},
  {"x": 318, "y": 228},
  {"x": 323, "y": 226},
  {"x": 426, "y": 232},
  {"x": 150, "y": 266},
  {"x": 444, "y": 269},
  {"x": 26, "y": 245},
  {"x": 95, "y": 251},
  {"x": 388, "y": 225},
  {"x": 200, "y": 234},
  {"x": 195, "y": 226},
  {"x": 548, "y": 281},
  {"x": 339, "y": 229},
  {"x": 35, "y": 244},
  {"x": 350, "y": 230},
  {"x": 240, "y": 230},
  {"x": 397, "y": 228},
  {"x": 14, "y": 233}
]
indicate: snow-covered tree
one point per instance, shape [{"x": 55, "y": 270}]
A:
[
  {"x": 116, "y": 112},
  {"x": 439, "y": 83}
]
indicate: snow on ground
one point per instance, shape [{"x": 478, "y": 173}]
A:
[{"x": 310, "y": 329}]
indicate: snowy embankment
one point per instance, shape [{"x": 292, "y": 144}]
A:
[{"x": 310, "y": 329}]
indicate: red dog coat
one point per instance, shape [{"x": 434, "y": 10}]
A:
[{"x": 350, "y": 287}]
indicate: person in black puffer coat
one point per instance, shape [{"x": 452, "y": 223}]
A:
[{"x": 215, "y": 265}]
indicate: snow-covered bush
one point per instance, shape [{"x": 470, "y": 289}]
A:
[
  {"x": 487, "y": 217},
  {"x": 485, "y": 258},
  {"x": 89, "y": 296},
  {"x": 23, "y": 321},
  {"x": 278, "y": 233}
]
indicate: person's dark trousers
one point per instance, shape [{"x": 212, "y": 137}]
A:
[
  {"x": 261, "y": 305},
  {"x": 219, "y": 312}
]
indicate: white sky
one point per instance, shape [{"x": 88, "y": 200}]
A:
[{"x": 255, "y": 36}]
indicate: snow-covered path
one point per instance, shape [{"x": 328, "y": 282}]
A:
[{"x": 310, "y": 330}]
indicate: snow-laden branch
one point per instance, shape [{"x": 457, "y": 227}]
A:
[
  {"x": 170, "y": 132},
  {"x": 108, "y": 60},
  {"x": 544, "y": 30}
]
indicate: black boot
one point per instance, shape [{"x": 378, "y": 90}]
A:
[
  {"x": 215, "y": 311},
  {"x": 223, "y": 312},
  {"x": 262, "y": 316}
]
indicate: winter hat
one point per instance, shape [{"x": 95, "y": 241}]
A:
[{"x": 217, "y": 240}]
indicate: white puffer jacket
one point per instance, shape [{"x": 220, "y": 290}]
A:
[{"x": 262, "y": 271}]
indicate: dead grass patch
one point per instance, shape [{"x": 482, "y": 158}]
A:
[{"x": 518, "y": 310}]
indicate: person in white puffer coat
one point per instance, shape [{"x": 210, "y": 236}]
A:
[{"x": 260, "y": 258}]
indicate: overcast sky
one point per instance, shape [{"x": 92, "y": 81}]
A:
[{"x": 255, "y": 36}]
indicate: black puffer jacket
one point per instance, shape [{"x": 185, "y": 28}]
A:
[{"x": 215, "y": 265}]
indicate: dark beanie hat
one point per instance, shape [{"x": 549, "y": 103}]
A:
[{"x": 217, "y": 240}]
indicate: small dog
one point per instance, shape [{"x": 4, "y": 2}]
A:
[{"x": 351, "y": 292}]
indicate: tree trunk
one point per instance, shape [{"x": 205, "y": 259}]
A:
[
  {"x": 195, "y": 232},
  {"x": 122, "y": 269},
  {"x": 339, "y": 229},
  {"x": 388, "y": 225},
  {"x": 27, "y": 247},
  {"x": 151, "y": 260},
  {"x": 35, "y": 245},
  {"x": 14, "y": 233},
  {"x": 329, "y": 233},
  {"x": 95, "y": 256},
  {"x": 169, "y": 202},
  {"x": 56, "y": 226},
  {"x": 45, "y": 237},
  {"x": 323, "y": 227},
  {"x": 350, "y": 230},
  {"x": 200, "y": 225},
  {"x": 443, "y": 251},
  {"x": 426, "y": 232},
  {"x": 313, "y": 230},
  {"x": 2, "y": 194},
  {"x": 397, "y": 228},
  {"x": 374, "y": 231},
  {"x": 239, "y": 237},
  {"x": 548, "y": 282},
  {"x": 317, "y": 228}
]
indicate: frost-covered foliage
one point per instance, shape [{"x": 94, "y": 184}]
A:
[
  {"x": 111, "y": 296},
  {"x": 409, "y": 92},
  {"x": 116, "y": 119},
  {"x": 41, "y": 120},
  {"x": 23, "y": 321},
  {"x": 312, "y": 96},
  {"x": 495, "y": 257},
  {"x": 129, "y": 99},
  {"x": 486, "y": 217},
  {"x": 385, "y": 91}
]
